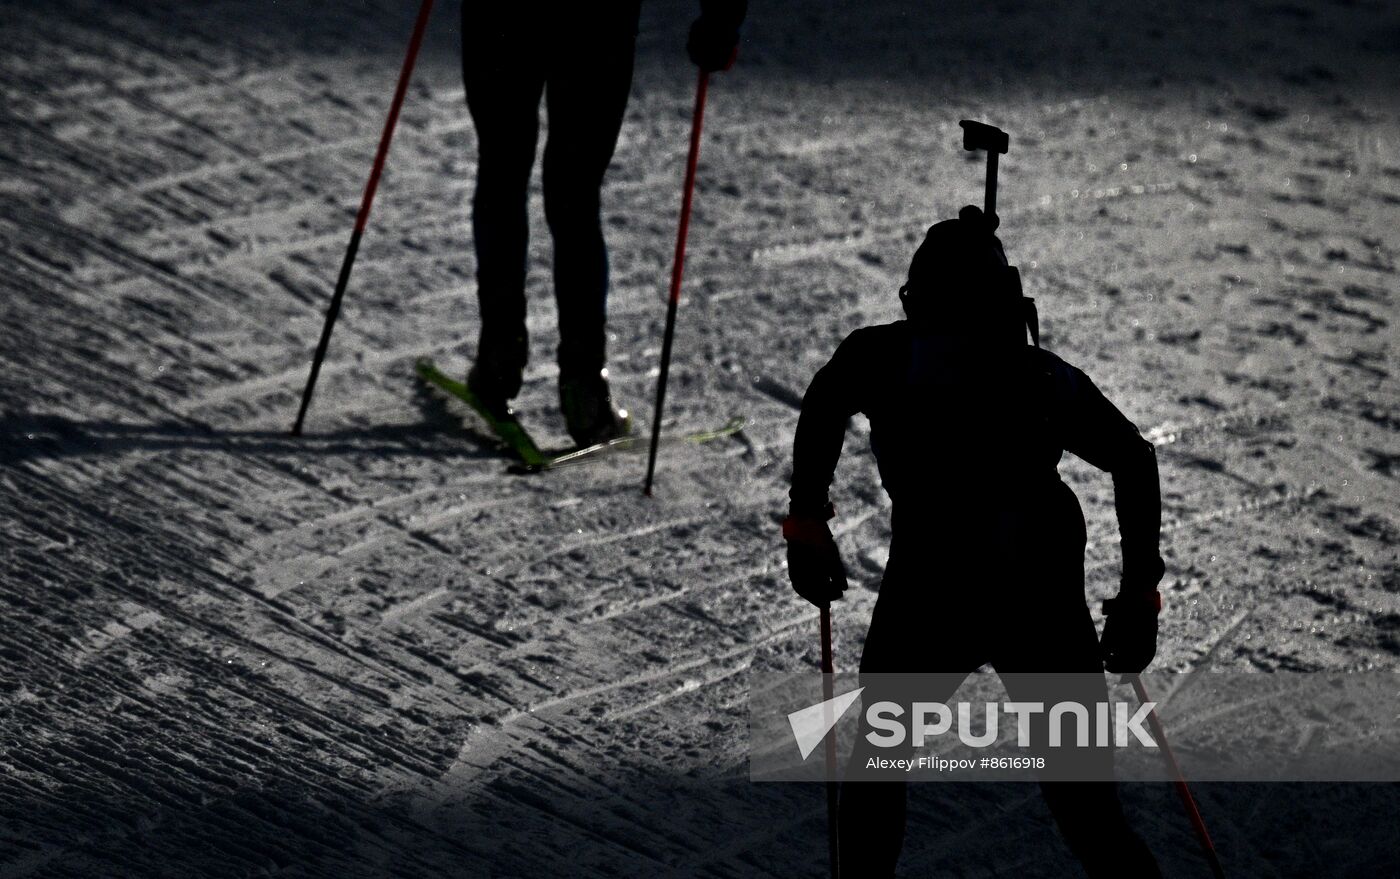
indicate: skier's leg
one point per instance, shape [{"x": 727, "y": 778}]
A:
[
  {"x": 872, "y": 813},
  {"x": 586, "y": 98},
  {"x": 504, "y": 80},
  {"x": 872, "y": 819},
  {"x": 1091, "y": 819},
  {"x": 1062, "y": 639}
]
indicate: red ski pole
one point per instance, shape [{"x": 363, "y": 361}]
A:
[
  {"x": 828, "y": 687},
  {"x": 677, "y": 269},
  {"x": 1183, "y": 790},
  {"x": 333, "y": 311}
]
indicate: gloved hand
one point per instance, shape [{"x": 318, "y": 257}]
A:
[
  {"x": 714, "y": 40},
  {"x": 814, "y": 562},
  {"x": 1130, "y": 631}
]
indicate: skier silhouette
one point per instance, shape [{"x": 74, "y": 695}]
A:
[
  {"x": 579, "y": 57},
  {"x": 986, "y": 565}
]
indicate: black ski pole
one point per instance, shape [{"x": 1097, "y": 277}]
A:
[
  {"x": 677, "y": 269},
  {"x": 1183, "y": 790},
  {"x": 833, "y": 826},
  {"x": 333, "y": 311}
]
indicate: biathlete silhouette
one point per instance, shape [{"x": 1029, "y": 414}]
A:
[{"x": 968, "y": 421}]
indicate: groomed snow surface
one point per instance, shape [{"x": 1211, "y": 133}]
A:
[{"x": 370, "y": 652}]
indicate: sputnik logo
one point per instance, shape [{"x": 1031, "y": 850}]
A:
[{"x": 810, "y": 725}]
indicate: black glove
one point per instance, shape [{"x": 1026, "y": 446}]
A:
[
  {"x": 714, "y": 37},
  {"x": 814, "y": 562},
  {"x": 1130, "y": 631}
]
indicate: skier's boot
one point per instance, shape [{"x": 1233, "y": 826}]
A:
[
  {"x": 588, "y": 408},
  {"x": 497, "y": 373}
]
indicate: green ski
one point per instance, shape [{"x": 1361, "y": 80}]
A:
[
  {"x": 532, "y": 459},
  {"x": 509, "y": 430},
  {"x": 634, "y": 444}
]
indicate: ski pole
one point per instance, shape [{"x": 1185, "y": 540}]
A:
[
  {"x": 1183, "y": 790},
  {"x": 828, "y": 687},
  {"x": 677, "y": 269},
  {"x": 333, "y": 311}
]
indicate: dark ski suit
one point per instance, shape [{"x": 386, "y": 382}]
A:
[
  {"x": 987, "y": 557},
  {"x": 579, "y": 57}
]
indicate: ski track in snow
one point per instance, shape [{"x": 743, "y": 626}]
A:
[{"x": 371, "y": 652}]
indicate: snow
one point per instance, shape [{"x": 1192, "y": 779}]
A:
[{"x": 369, "y": 651}]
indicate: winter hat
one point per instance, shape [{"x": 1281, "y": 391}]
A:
[{"x": 957, "y": 267}]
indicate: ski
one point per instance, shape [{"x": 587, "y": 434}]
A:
[
  {"x": 509, "y": 430},
  {"x": 632, "y": 444},
  {"x": 531, "y": 459}
]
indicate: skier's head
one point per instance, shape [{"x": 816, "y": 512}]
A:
[{"x": 958, "y": 279}]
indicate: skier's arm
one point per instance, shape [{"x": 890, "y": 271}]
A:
[
  {"x": 814, "y": 562},
  {"x": 827, "y": 407},
  {"x": 1101, "y": 435}
]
